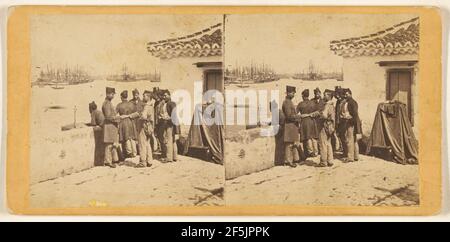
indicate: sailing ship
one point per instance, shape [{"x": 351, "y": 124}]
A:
[
  {"x": 124, "y": 76},
  {"x": 242, "y": 76},
  {"x": 127, "y": 76},
  {"x": 59, "y": 77},
  {"x": 314, "y": 74}
]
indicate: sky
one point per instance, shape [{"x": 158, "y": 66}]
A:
[
  {"x": 102, "y": 44},
  {"x": 288, "y": 42}
]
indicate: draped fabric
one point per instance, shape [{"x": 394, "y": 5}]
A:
[
  {"x": 206, "y": 136},
  {"x": 392, "y": 129}
]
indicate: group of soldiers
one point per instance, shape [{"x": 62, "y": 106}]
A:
[
  {"x": 137, "y": 127},
  {"x": 318, "y": 126}
]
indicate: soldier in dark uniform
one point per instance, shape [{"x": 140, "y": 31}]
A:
[
  {"x": 308, "y": 128},
  {"x": 291, "y": 134},
  {"x": 97, "y": 122},
  {"x": 97, "y": 117},
  {"x": 110, "y": 129}
]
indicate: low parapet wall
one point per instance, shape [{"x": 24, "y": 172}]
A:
[
  {"x": 74, "y": 150},
  {"x": 63, "y": 153},
  {"x": 248, "y": 152}
]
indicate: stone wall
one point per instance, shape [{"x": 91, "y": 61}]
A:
[
  {"x": 61, "y": 154},
  {"x": 248, "y": 152}
]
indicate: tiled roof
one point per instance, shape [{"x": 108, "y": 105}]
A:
[
  {"x": 402, "y": 38},
  {"x": 207, "y": 42}
]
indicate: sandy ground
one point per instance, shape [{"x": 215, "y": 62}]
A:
[
  {"x": 368, "y": 182},
  {"x": 187, "y": 182}
]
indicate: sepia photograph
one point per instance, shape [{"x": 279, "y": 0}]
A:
[
  {"x": 323, "y": 109},
  {"x": 224, "y": 111},
  {"x": 112, "y": 120},
  {"x": 319, "y": 110}
]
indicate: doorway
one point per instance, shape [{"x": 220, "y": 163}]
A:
[
  {"x": 399, "y": 88},
  {"x": 213, "y": 80}
]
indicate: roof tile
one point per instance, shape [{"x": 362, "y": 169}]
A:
[{"x": 402, "y": 38}]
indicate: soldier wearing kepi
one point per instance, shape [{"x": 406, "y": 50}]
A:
[
  {"x": 326, "y": 128},
  {"x": 145, "y": 126},
  {"x": 291, "y": 134},
  {"x": 127, "y": 127},
  {"x": 110, "y": 129}
]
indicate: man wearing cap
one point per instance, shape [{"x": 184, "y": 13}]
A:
[
  {"x": 168, "y": 122},
  {"x": 110, "y": 129},
  {"x": 97, "y": 122},
  {"x": 319, "y": 105},
  {"x": 308, "y": 129},
  {"x": 340, "y": 126},
  {"x": 350, "y": 118},
  {"x": 159, "y": 129},
  {"x": 136, "y": 100},
  {"x": 97, "y": 117},
  {"x": 325, "y": 124},
  {"x": 127, "y": 127},
  {"x": 291, "y": 134},
  {"x": 138, "y": 106},
  {"x": 145, "y": 128}
]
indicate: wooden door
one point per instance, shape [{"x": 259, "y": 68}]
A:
[
  {"x": 213, "y": 81},
  {"x": 399, "y": 88}
]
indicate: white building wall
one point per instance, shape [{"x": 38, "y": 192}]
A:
[
  {"x": 367, "y": 80},
  {"x": 181, "y": 73}
]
